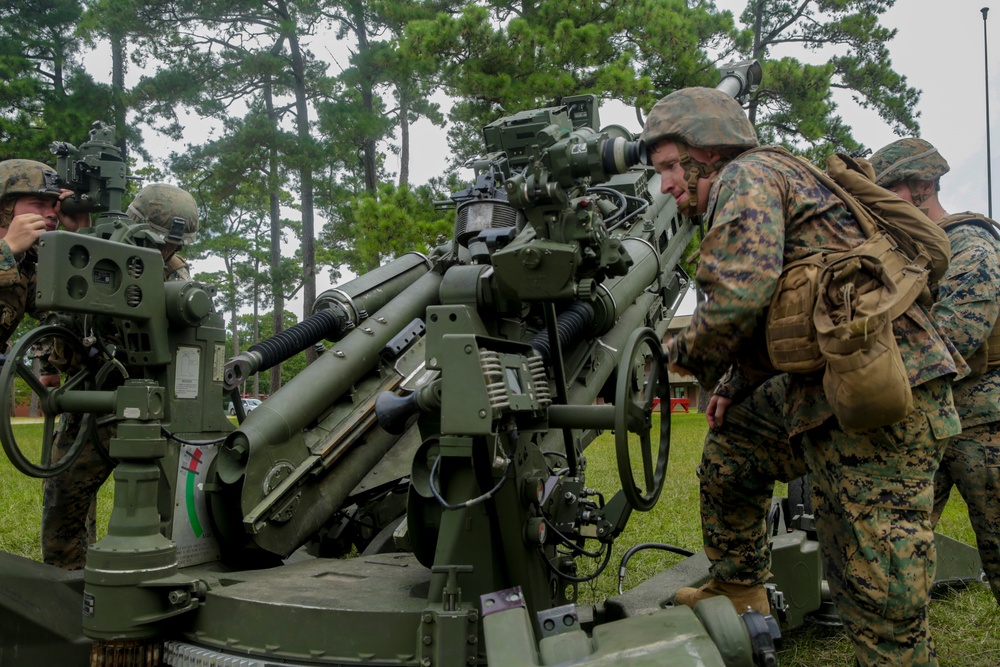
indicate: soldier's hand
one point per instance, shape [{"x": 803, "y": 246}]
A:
[
  {"x": 74, "y": 222},
  {"x": 23, "y": 231},
  {"x": 716, "y": 411},
  {"x": 50, "y": 381},
  {"x": 668, "y": 346}
]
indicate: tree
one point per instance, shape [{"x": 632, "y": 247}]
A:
[
  {"x": 45, "y": 94},
  {"x": 794, "y": 105},
  {"x": 378, "y": 227},
  {"x": 224, "y": 55},
  {"x": 678, "y": 44},
  {"x": 225, "y": 176},
  {"x": 497, "y": 58}
]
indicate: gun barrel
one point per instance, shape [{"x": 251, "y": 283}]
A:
[
  {"x": 337, "y": 311},
  {"x": 297, "y": 404}
]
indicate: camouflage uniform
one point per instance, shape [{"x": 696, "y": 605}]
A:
[
  {"x": 966, "y": 309},
  {"x": 17, "y": 290},
  {"x": 873, "y": 490},
  {"x": 69, "y": 507},
  {"x": 17, "y": 277}
]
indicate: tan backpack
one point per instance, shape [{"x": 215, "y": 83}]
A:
[
  {"x": 833, "y": 312},
  {"x": 912, "y": 248}
]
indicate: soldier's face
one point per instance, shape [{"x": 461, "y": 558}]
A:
[
  {"x": 666, "y": 161},
  {"x": 39, "y": 205}
]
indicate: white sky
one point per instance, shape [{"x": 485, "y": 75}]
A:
[{"x": 939, "y": 47}]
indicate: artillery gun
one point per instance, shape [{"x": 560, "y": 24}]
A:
[{"x": 418, "y": 495}]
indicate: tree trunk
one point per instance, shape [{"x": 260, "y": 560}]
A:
[
  {"x": 404, "y": 131},
  {"x": 275, "y": 214},
  {"x": 369, "y": 156},
  {"x": 305, "y": 182},
  {"x": 758, "y": 17},
  {"x": 118, "y": 90}
]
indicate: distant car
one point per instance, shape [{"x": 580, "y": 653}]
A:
[{"x": 248, "y": 405}]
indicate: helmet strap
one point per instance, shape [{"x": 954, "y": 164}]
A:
[
  {"x": 694, "y": 170},
  {"x": 916, "y": 193},
  {"x": 7, "y": 211}
]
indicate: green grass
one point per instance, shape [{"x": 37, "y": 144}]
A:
[
  {"x": 966, "y": 624},
  {"x": 21, "y": 508}
]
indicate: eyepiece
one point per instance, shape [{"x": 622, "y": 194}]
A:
[{"x": 618, "y": 155}]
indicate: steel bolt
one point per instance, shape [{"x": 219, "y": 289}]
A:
[{"x": 177, "y": 598}]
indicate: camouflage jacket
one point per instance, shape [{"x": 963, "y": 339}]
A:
[
  {"x": 766, "y": 210},
  {"x": 17, "y": 289},
  {"x": 176, "y": 268},
  {"x": 966, "y": 310}
]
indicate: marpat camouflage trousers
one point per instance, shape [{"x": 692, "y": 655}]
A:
[
  {"x": 972, "y": 463},
  {"x": 69, "y": 500},
  {"x": 872, "y": 496}
]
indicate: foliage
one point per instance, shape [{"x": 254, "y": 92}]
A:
[
  {"x": 377, "y": 227},
  {"x": 794, "y": 105},
  {"x": 496, "y": 58},
  {"x": 45, "y": 93}
]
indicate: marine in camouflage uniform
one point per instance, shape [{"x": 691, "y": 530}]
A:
[
  {"x": 967, "y": 308},
  {"x": 69, "y": 508},
  {"x": 873, "y": 489},
  {"x": 29, "y": 205}
]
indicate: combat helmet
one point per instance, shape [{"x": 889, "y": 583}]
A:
[
  {"x": 702, "y": 117},
  {"x": 24, "y": 177},
  {"x": 168, "y": 210},
  {"x": 909, "y": 159}
]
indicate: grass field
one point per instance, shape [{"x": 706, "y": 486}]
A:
[{"x": 966, "y": 624}]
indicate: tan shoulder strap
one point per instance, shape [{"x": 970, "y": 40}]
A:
[
  {"x": 970, "y": 218},
  {"x": 918, "y": 237}
]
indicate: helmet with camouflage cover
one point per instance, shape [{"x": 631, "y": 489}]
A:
[
  {"x": 168, "y": 210},
  {"x": 25, "y": 177},
  {"x": 702, "y": 117},
  {"x": 909, "y": 159}
]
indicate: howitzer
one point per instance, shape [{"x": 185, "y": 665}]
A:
[{"x": 443, "y": 436}]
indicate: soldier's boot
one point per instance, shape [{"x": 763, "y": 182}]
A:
[{"x": 741, "y": 595}]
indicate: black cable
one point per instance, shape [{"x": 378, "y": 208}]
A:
[
  {"x": 647, "y": 545},
  {"x": 468, "y": 503},
  {"x": 171, "y": 436},
  {"x": 639, "y": 211},
  {"x": 568, "y": 542},
  {"x": 579, "y": 580}
]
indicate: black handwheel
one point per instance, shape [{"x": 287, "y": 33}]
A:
[
  {"x": 48, "y": 399},
  {"x": 634, "y": 414}
]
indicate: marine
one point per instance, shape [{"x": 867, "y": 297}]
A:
[
  {"x": 967, "y": 309},
  {"x": 30, "y": 196},
  {"x": 872, "y": 489}
]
